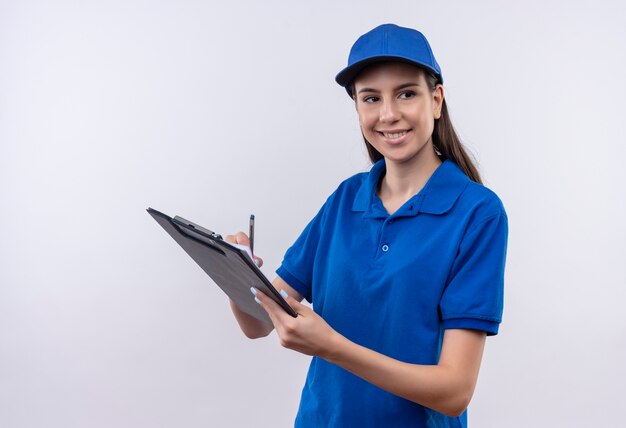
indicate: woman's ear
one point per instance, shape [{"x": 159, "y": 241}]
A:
[{"x": 437, "y": 101}]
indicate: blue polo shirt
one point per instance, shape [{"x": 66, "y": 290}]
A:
[{"x": 394, "y": 283}]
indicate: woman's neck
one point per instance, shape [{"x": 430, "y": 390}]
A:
[{"x": 403, "y": 180}]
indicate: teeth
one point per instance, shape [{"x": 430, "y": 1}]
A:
[{"x": 395, "y": 134}]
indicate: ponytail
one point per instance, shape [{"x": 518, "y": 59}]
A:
[{"x": 450, "y": 146}]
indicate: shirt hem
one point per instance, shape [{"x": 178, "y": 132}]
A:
[{"x": 490, "y": 327}]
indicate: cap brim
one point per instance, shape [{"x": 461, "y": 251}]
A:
[{"x": 347, "y": 75}]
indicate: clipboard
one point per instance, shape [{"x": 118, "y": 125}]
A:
[{"x": 231, "y": 268}]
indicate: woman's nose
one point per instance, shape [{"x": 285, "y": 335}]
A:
[{"x": 389, "y": 112}]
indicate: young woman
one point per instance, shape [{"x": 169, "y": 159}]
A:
[{"x": 404, "y": 264}]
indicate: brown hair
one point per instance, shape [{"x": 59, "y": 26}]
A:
[{"x": 445, "y": 139}]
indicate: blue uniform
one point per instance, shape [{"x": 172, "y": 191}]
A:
[{"x": 394, "y": 283}]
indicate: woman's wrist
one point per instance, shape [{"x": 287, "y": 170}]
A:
[{"x": 334, "y": 347}]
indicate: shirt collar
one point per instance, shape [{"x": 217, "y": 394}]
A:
[{"x": 437, "y": 196}]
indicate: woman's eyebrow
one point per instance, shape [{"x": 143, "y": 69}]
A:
[
  {"x": 407, "y": 84},
  {"x": 402, "y": 86}
]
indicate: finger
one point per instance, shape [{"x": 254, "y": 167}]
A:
[
  {"x": 242, "y": 239},
  {"x": 295, "y": 305},
  {"x": 274, "y": 310},
  {"x": 231, "y": 239},
  {"x": 258, "y": 261},
  {"x": 266, "y": 304}
]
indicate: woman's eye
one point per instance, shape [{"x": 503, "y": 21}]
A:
[
  {"x": 407, "y": 94},
  {"x": 370, "y": 99}
]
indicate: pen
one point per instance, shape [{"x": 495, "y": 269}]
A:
[{"x": 251, "y": 233}]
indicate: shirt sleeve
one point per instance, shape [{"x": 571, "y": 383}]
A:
[
  {"x": 297, "y": 266},
  {"x": 474, "y": 296}
]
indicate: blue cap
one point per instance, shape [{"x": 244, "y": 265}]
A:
[{"x": 388, "y": 42}]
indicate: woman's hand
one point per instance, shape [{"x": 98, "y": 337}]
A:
[
  {"x": 308, "y": 333},
  {"x": 243, "y": 239},
  {"x": 250, "y": 326},
  {"x": 446, "y": 387}
]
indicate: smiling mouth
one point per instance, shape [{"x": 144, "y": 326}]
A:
[{"x": 394, "y": 135}]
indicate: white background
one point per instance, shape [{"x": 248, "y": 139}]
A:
[{"x": 215, "y": 111}]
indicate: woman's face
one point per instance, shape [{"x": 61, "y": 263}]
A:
[{"x": 397, "y": 110}]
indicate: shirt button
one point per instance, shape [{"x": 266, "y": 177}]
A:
[
  {"x": 391, "y": 221},
  {"x": 385, "y": 248}
]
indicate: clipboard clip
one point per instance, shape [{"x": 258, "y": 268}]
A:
[{"x": 191, "y": 225}]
